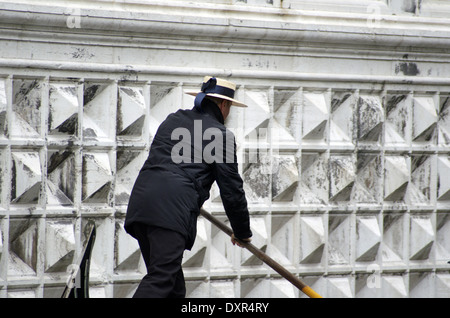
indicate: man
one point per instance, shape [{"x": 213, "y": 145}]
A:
[{"x": 175, "y": 181}]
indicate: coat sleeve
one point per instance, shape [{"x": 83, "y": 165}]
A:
[{"x": 232, "y": 192}]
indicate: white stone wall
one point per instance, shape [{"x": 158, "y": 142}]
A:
[{"x": 344, "y": 149}]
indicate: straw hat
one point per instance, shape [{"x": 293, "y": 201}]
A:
[{"x": 216, "y": 87}]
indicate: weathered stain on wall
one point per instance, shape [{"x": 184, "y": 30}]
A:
[{"x": 344, "y": 149}]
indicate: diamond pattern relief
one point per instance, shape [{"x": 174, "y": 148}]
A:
[
  {"x": 284, "y": 178},
  {"x": 443, "y": 188},
  {"x": 26, "y": 115},
  {"x": 368, "y": 180},
  {"x": 393, "y": 237},
  {"x": 315, "y": 116},
  {"x": 419, "y": 190},
  {"x": 314, "y": 178},
  {"x": 23, "y": 247},
  {"x": 442, "y": 237},
  {"x": 259, "y": 239},
  {"x": 312, "y": 239},
  {"x": 281, "y": 248},
  {"x": 131, "y": 111},
  {"x": 398, "y": 122},
  {"x": 396, "y": 175},
  {"x": 443, "y": 285},
  {"x": 422, "y": 231},
  {"x": 257, "y": 178},
  {"x": 63, "y": 108},
  {"x": 164, "y": 99},
  {"x": 26, "y": 177},
  {"x": 368, "y": 239},
  {"x": 424, "y": 119},
  {"x": 337, "y": 179},
  {"x": 340, "y": 287},
  {"x": 420, "y": 285},
  {"x": 221, "y": 253},
  {"x": 197, "y": 255},
  {"x": 444, "y": 121},
  {"x": 97, "y": 177},
  {"x": 287, "y": 116},
  {"x": 370, "y": 118},
  {"x": 339, "y": 238},
  {"x": 342, "y": 177},
  {"x": 59, "y": 245},
  {"x": 128, "y": 164},
  {"x": 394, "y": 286},
  {"x": 3, "y": 105},
  {"x": 98, "y": 115},
  {"x": 127, "y": 253},
  {"x": 258, "y": 101},
  {"x": 341, "y": 122},
  {"x": 61, "y": 177}
]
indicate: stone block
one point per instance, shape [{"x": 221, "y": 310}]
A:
[
  {"x": 368, "y": 179},
  {"x": 197, "y": 256},
  {"x": 315, "y": 116},
  {"x": 284, "y": 178},
  {"x": 26, "y": 177},
  {"x": 3, "y": 107},
  {"x": 394, "y": 238},
  {"x": 131, "y": 110},
  {"x": 398, "y": 120},
  {"x": 443, "y": 182},
  {"x": 26, "y": 109},
  {"x": 343, "y": 104},
  {"x": 259, "y": 239},
  {"x": 23, "y": 247},
  {"x": 127, "y": 254},
  {"x": 444, "y": 121},
  {"x": 63, "y": 109},
  {"x": 396, "y": 177},
  {"x": 425, "y": 118},
  {"x": 368, "y": 238},
  {"x": 61, "y": 177},
  {"x": 442, "y": 285},
  {"x": 339, "y": 240},
  {"x": 370, "y": 118},
  {"x": 99, "y": 111},
  {"x": 221, "y": 253},
  {"x": 282, "y": 244},
  {"x": 312, "y": 231},
  {"x": 314, "y": 182},
  {"x": 394, "y": 286},
  {"x": 422, "y": 231},
  {"x": 442, "y": 238},
  {"x": 340, "y": 287},
  {"x": 59, "y": 245},
  {"x": 342, "y": 177},
  {"x": 128, "y": 165},
  {"x": 421, "y": 285},
  {"x": 97, "y": 177}
]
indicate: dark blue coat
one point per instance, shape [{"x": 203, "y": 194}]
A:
[{"x": 169, "y": 194}]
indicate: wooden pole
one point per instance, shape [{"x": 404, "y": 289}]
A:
[{"x": 263, "y": 257}]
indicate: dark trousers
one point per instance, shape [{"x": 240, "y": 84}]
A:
[{"x": 162, "y": 251}]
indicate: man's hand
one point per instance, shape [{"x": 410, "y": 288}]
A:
[{"x": 235, "y": 241}]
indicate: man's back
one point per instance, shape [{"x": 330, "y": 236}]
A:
[{"x": 190, "y": 151}]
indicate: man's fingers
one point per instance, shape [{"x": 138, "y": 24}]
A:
[{"x": 235, "y": 241}]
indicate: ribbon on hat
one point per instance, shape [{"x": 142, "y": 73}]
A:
[{"x": 211, "y": 87}]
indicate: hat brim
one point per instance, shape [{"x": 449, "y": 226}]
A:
[{"x": 234, "y": 102}]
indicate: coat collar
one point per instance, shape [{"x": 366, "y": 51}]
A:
[{"x": 210, "y": 108}]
